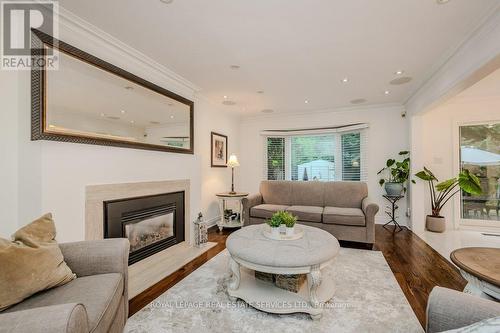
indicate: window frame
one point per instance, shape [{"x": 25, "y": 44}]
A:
[
  {"x": 457, "y": 212},
  {"x": 337, "y": 154}
]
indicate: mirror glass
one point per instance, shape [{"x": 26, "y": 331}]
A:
[{"x": 84, "y": 100}]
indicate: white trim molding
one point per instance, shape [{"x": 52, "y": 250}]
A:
[{"x": 477, "y": 57}]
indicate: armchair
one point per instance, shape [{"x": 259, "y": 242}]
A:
[{"x": 96, "y": 301}]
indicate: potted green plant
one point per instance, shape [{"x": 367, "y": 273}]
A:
[
  {"x": 289, "y": 221},
  {"x": 397, "y": 174},
  {"x": 275, "y": 223},
  {"x": 442, "y": 192},
  {"x": 282, "y": 218}
]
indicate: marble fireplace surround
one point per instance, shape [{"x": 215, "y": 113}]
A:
[{"x": 147, "y": 272}]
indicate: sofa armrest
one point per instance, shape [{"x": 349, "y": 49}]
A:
[
  {"x": 99, "y": 257},
  {"x": 249, "y": 202},
  {"x": 370, "y": 209},
  {"x": 61, "y": 318},
  {"x": 450, "y": 309}
]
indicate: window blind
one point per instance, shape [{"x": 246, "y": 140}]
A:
[
  {"x": 322, "y": 157},
  {"x": 275, "y": 159}
]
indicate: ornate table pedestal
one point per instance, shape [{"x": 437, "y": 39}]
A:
[
  {"x": 250, "y": 251},
  {"x": 478, "y": 287}
]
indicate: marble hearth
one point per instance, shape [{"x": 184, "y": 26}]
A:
[{"x": 147, "y": 272}]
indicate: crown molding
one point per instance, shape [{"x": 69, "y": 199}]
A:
[
  {"x": 74, "y": 23},
  {"x": 476, "y": 57},
  {"x": 385, "y": 106}
]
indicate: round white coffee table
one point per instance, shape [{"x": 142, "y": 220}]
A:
[{"x": 251, "y": 251}]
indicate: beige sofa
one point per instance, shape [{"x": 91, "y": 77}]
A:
[
  {"x": 341, "y": 208},
  {"x": 96, "y": 301}
]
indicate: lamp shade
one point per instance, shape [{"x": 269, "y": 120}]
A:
[{"x": 233, "y": 161}]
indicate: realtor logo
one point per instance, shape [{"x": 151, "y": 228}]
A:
[{"x": 18, "y": 18}]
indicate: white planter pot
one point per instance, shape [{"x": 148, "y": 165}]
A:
[
  {"x": 275, "y": 231},
  {"x": 290, "y": 231},
  {"x": 435, "y": 223}
]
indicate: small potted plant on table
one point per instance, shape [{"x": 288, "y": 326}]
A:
[
  {"x": 280, "y": 218},
  {"x": 290, "y": 221},
  {"x": 398, "y": 173},
  {"x": 442, "y": 192}
]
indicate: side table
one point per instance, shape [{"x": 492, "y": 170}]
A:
[
  {"x": 480, "y": 266},
  {"x": 230, "y": 218},
  {"x": 393, "y": 199}
]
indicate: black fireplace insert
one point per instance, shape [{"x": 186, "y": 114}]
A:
[{"x": 151, "y": 223}]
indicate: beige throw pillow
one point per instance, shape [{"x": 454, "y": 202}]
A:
[{"x": 32, "y": 262}]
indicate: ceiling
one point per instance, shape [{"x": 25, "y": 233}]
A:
[{"x": 293, "y": 51}]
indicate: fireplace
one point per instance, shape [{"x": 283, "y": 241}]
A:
[{"x": 151, "y": 223}]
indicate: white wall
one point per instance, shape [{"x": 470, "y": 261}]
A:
[
  {"x": 387, "y": 135},
  {"x": 43, "y": 176}
]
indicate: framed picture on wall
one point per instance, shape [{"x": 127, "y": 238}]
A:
[{"x": 218, "y": 147}]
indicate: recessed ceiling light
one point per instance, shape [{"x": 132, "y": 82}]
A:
[
  {"x": 132, "y": 121},
  {"x": 401, "y": 80},
  {"x": 358, "y": 101},
  {"x": 171, "y": 117},
  {"x": 442, "y": 2},
  {"x": 235, "y": 67},
  {"x": 345, "y": 80},
  {"x": 122, "y": 111},
  {"x": 167, "y": 2},
  {"x": 387, "y": 92},
  {"x": 102, "y": 114},
  {"x": 267, "y": 111},
  {"x": 228, "y": 102},
  {"x": 306, "y": 101},
  {"x": 225, "y": 97},
  {"x": 400, "y": 72}
]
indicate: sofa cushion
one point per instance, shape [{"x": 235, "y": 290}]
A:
[
  {"x": 308, "y": 193},
  {"x": 31, "y": 262},
  {"x": 345, "y": 194},
  {"x": 306, "y": 213},
  {"x": 266, "y": 211},
  {"x": 276, "y": 192},
  {"x": 100, "y": 294},
  {"x": 344, "y": 216}
]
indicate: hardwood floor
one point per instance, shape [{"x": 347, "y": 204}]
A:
[{"x": 416, "y": 266}]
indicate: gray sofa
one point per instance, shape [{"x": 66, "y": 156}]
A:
[
  {"x": 341, "y": 208},
  {"x": 450, "y": 309},
  {"x": 96, "y": 301}
]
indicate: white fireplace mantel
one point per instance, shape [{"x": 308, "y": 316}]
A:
[{"x": 145, "y": 273}]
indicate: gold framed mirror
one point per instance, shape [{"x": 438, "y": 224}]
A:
[{"x": 88, "y": 100}]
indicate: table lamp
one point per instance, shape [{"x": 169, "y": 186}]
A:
[{"x": 232, "y": 163}]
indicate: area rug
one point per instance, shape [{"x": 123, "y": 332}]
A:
[{"x": 367, "y": 299}]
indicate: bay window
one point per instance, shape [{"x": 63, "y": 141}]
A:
[{"x": 322, "y": 155}]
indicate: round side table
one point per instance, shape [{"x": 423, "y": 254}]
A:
[
  {"x": 233, "y": 220},
  {"x": 480, "y": 266}
]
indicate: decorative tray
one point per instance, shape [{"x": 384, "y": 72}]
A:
[{"x": 298, "y": 233}]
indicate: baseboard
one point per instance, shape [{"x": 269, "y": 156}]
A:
[{"x": 212, "y": 221}]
